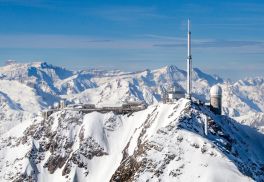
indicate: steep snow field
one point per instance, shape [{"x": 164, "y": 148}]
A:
[
  {"x": 18, "y": 102},
  {"x": 164, "y": 142}
]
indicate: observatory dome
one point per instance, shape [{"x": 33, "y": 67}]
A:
[{"x": 216, "y": 90}]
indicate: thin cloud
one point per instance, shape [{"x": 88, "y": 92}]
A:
[
  {"x": 229, "y": 43},
  {"x": 145, "y": 43},
  {"x": 162, "y": 37},
  {"x": 170, "y": 45},
  {"x": 71, "y": 42},
  {"x": 216, "y": 44},
  {"x": 125, "y": 13},
  {"x": 50, "y": 41},
  {"x": 99, "y": 40}
]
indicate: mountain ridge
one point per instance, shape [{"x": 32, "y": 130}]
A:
[
  {"x": 165, "y": 142},
  {"x": 49, "y": 84}
]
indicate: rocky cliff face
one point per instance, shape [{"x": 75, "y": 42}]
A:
[{"x": 165, "y": 142}]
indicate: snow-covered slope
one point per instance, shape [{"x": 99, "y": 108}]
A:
[
  {"x": 165, "y": 142},
  {"x": 17, "y": 103},
  {"x": 244, "y": 101},
  {"x": 34, "y": 86}
]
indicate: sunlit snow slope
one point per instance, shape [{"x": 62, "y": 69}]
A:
[{"x": 165, "y": 142}]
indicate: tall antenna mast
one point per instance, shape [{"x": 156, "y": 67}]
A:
[{"x": 189, "y": 64}]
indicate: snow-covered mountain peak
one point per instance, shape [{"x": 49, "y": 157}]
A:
[
  {"x": 19, "y": 71},
  {"x": 212, "y": 80},
  {"x": 165, "y": 142},
  {"x": 170, "y": 68}
]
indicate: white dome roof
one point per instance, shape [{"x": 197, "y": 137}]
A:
[{"x": 216, "y": 90}]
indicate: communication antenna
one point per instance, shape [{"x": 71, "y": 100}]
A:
[{"x": 189, "y": 65}]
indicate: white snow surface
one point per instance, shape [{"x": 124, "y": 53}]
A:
[
  {"x": 172, "y": 135},
  {"x": 71, "y": 146},
  {"x": 29, "y": 87}
]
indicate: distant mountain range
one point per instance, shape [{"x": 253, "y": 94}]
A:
[{"x": 26, "y": 89}]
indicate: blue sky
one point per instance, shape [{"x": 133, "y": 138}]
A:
[{"x": 228, "y": 36}]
